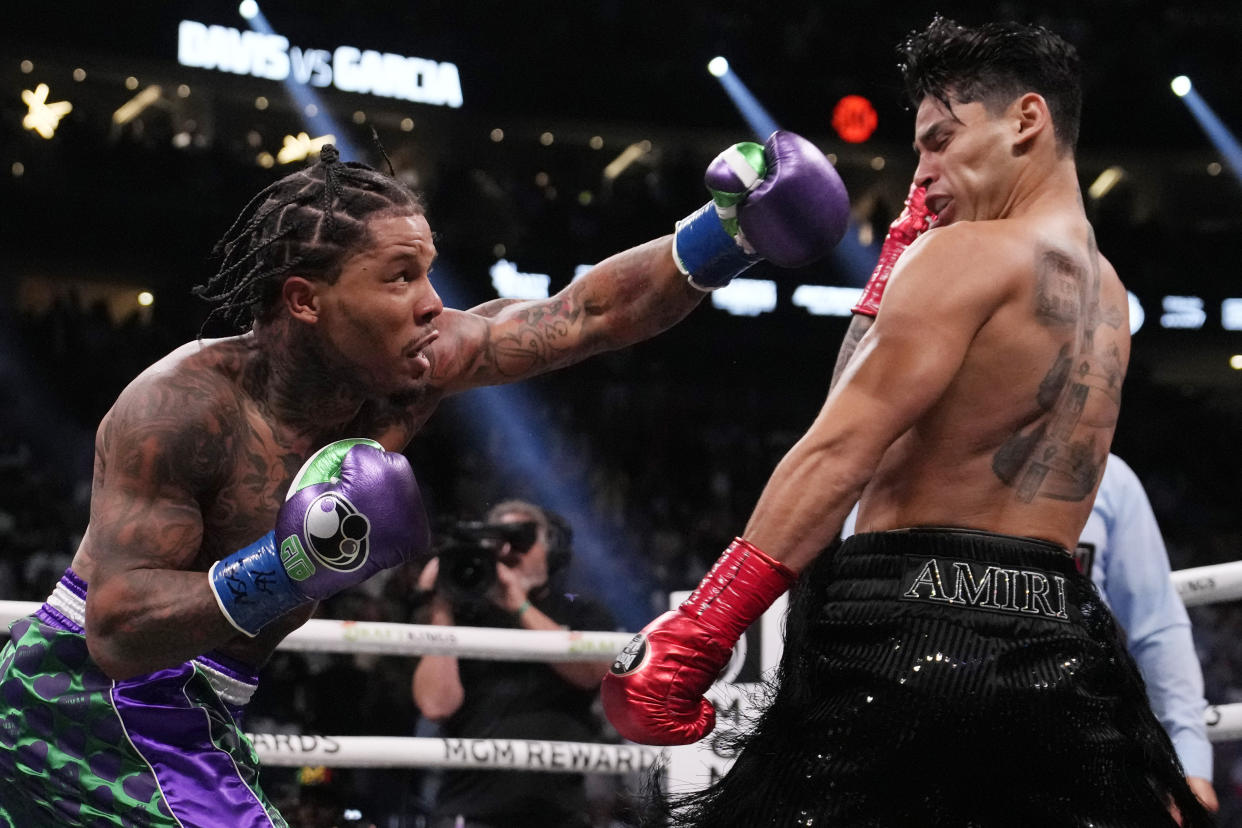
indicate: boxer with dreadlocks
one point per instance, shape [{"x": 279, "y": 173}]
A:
[{"x": 240, "y": 480}]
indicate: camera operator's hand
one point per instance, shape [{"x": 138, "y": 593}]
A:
[
  {"x": 438, "y": 609},
  {"x": 427, "y": 578},
  {"x": 513, "y": 588}
]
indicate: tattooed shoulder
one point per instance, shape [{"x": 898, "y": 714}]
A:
[
  {"x": 177, "y": 428},
  {"x": 1060, "y": 283}
]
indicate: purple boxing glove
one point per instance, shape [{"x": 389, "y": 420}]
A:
[
  {"x": 352, "y": 511},
  {"x": 782, "y": 202}
]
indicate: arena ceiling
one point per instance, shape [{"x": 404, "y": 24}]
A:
[
  {"x": 645, "y": 61},
  {"x": 634, "y": 70}
]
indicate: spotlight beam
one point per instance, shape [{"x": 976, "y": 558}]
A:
[
  {"x": 307, "y": 101},
  {"x": 757, "y": 118},
  {"x": 1212, "y": 125}
]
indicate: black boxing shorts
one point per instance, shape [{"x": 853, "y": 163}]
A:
[{"x": 945, "y": 677}]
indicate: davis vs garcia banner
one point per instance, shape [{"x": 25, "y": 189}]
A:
[{"x": 349, "y": 69}]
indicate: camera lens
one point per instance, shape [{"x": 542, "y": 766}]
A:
[{"x": 469, "y": 570}]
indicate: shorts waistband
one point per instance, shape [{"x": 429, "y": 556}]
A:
[
  {"x": 964, "y": 570},
  {"x": 981, "y": 535},
  {"x": 65, "y": 609}
]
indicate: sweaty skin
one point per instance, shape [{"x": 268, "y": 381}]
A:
[
  {"x": 194, "y": 459},
  {"x": 986, "y": 391}
]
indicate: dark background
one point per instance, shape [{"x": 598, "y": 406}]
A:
[{"x": 656, "y": 453}]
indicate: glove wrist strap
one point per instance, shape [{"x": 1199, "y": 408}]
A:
[
  {"x": 252, "y": 587},
  {"x": 739, "y": 588},
  {"x": 705, "y": 252},
  {"x": 873, "y": 292}
]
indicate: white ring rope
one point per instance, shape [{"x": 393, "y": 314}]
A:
[
  {"x": 1224, "y": 722},
  {"x": 491, "y": 643},
  {"x": 420, "y": 752},
  {"x": 323, "y": 635},
  {"x": 1209, "y": 584},
  {"x": 1196, "y": 586}
]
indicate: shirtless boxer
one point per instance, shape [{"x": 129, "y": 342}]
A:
[{"x": 948, "y": 666}]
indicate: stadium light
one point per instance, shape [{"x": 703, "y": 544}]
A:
[
  {"x": 301, "y": 146},
  {"x": 1105, "y": 182},
  {"x": 132, "y": 108},
  {"x": 41, "y": 116}
]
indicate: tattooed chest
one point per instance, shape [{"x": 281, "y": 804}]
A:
[{"x": 245, "y": 506}]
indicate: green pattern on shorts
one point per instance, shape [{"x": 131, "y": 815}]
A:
[{"x": 64, "y": 757}]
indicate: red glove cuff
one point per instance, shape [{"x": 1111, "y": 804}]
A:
[
  {"x": 739, "y": 588},
  {"x": 912, "y": 223},
  {"x": 873, "y": 292}
]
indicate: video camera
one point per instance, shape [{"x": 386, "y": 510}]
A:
[{"x": 470, "y": 550}]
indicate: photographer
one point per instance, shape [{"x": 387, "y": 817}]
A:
[{"x": 528, "y": 548}]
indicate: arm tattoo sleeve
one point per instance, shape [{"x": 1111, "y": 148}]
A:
[{"x": 859, "y": 325}]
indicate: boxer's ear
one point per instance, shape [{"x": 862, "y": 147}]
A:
[
  {"x": 301, "y": 297},
  {"x": 1030, "y": 117}
]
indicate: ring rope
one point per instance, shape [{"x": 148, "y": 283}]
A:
[
  {"x": 491, "y": 643},
  {"x": 323, "y": 635},
  {"x": 297, "y": 750},
  {"x": 1224, "y": 724},
  {"x": 1211, "y": 584},
  {"x": 1196, "y": 586}
]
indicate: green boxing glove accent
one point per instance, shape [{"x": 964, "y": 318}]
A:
[
  {"x": 746, "y": 168},
  {"x": 708, "y": 245}
]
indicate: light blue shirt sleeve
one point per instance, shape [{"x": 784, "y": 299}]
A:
[{"x": 1131, "y": 569}]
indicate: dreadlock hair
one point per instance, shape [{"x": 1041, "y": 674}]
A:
[
  {"x": 993, "y": 64},
  {"x": 307, "y": 222}
]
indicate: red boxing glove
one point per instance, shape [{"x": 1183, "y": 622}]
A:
[
  {"x": 913, "y": 221},
  {"x": 653, "y": 693}
]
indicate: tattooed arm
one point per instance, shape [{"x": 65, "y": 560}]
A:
[
  {"x": 859, "y": 325},
  {"x": 626, "y": 298},
  {"x": 145, "y": 609}
]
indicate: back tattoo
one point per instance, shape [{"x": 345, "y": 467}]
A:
[{"x": 1062, "y": 454}]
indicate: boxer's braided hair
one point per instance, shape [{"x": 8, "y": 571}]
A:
[
  {"x": 993, "y": 64},
  {"x": 307, "y": 222}
]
